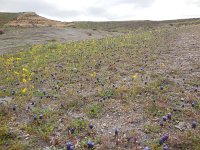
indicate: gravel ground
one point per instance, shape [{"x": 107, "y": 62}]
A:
[{"x": 18, "y": 37}]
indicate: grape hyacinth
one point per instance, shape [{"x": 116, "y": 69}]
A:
[
  {"x": 161, "y": 141},
  {"x": 146, "y": 148},
  {"x": 194, "y": 124},
  {"x": 91, "y": 126},
  {"x": 164, "y": 118},
  {"x": 116, "y": 131},
  {"x": 35, "y": 117},
  {"x": 161, "y": 123},
  {"x": 14, "y": 107},
  {"x": 69, "y": 145},
  {"x": 41, "y": 116},
  {"x": 90, "y": 144},
  {"x": 71, "y": 148},
  {"x": 72, "y": 130},
  {"x": 169, "y": 116},
  {"x": 193, "y": 104},
  {"x": 165, "y": 137},
  {"x": 165, "y": 147}
]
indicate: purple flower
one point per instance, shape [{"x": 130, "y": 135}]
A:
[
  {"x": 91, "y": 126},
  {"x": 169, "y": 116},
  {"x": 116, "y": 131},
  {"x": 194, "y": 124},
  {"x": 146, "y": 148},
  {"x": 161, "y": 141},
  {"x": 72, "y": 130},
  {"x": 14, "y": 107},
  {"x": 71, "y": 148},
  {"x": 193, "y": 104},
  {"x": 165, "y": 137},
  {"x": 68, "y": 145},
  {"x": 165, "y": 147},
  {"x": 90, "y": 144},
  {"x": 41, "y": 116},
  {"x": 164, "y": 118},
  {"x": 129, "y": 139},
  {"x": 161, "y": 123},
  {"x": 35, "y": 117}
]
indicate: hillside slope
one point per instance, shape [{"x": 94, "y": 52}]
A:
[
  {"x": 28, "y": 19},
  {"x": 6, "y": 17}
]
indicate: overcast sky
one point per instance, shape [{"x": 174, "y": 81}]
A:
[{"x": 104, "y": 10}]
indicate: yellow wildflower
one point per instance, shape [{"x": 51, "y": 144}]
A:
[
  {"x": 93, "y": 74},
  {"x": 24, "y": 69},
  {"x": 24, "y": 80},
  {"x": 24, "y": 90},
  {"x": 135, "y": 76},
  {"x": 17, "y": 73},
  {"x": 18, "y": 58}
]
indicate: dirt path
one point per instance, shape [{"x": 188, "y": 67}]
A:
[
  {"x": 28, "y": 36},
  {"x": 180, "y": 55}
]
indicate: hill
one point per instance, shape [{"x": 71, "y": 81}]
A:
[
  {"x": 127, "y": 26},
  {"x": 6, "y": 17},
  {"x": 28, "y": 19}
]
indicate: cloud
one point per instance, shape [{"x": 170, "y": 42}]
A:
[{"x": 100, "y": 10}]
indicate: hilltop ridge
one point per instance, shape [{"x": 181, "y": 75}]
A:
[{"x": 30, "y": 19}]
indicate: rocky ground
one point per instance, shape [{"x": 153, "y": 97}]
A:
[{"x": 19, "y": 37}]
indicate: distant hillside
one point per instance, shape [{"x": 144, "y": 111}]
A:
[
  {"x": 6, "y": 17},
  {"x": 29, "y": 19},
  {"x": 123, "y": 26}
]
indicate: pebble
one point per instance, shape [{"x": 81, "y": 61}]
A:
[
  {"x": 181, "y": 126},
  {"x": 104, "y": 125}
]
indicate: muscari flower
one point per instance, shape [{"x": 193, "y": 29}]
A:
[
  {"x": 194, "y": 124},
  {"x": 165, "y": 147},
  {"x": 91, "y": 126},
  {"x": 41, "y": 116},
  {"x": 193, "y": 104},
  {"x": 35, "y": 117},
  {"x": 165, "y": 137},
  {"x": 164, "y": 118},
  {"x": 169, "y": 116},
  {"x": 71, "y": 148},
  {"x": 14, "y": 107},
  {"x": 161, "y": 123},
  {"x": 146, "y": 148},
  {"x": 72, "y": 130},
  {"x": 161, "y": 141},
  {"x": 69, "y": 145},
  {"x": 116, "y": 131},
  {"x": 90, "y": 144}
]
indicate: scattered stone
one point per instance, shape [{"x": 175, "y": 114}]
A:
[
  {"x": 1, "y": 32},
  {"x": 5, "y": 101},
  {"x": 104, "y": 125},
  {"x": 181, "y": 126}
]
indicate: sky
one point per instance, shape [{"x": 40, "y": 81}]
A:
[{"x": 106, "y": 10}]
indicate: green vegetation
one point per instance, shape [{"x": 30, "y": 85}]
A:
[
  {"x": 129, "y": 26},
  {"x": 5, "y": 17}
]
